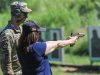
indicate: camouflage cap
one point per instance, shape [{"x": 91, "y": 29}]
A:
[{"x": 21, "y": 5}]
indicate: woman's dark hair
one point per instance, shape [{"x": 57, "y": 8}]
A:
[{"x": 28, "y": 36}]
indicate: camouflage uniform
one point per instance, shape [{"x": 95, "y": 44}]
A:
[
  {"x": 8, "y": 57},
  {"x": 9, "y": 42}
]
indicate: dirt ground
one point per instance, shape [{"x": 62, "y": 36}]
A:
[{"x": 78, "y": 68}]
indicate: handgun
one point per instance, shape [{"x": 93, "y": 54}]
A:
[{"x": 77, "y": 34}]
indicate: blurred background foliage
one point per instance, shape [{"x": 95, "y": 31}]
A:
[{"x": 73, "y": 15}]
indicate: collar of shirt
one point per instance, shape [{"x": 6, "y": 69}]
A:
[{"x": 17, "y": 30}]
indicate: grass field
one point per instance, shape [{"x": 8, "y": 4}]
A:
[
  {"x": 74, "y": 60},
  {"x": 1, "y": 72}
]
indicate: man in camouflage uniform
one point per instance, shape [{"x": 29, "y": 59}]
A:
[{"x": 9, "y": 39}]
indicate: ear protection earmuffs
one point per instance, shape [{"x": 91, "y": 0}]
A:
[{"x": 16, "y": 11}]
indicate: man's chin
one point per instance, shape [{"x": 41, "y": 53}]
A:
[{"x": 20, "y": 21}]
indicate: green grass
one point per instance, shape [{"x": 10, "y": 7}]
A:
[
  {"x": 0, "y": 72},
  {"x": 76, "y": 60}
]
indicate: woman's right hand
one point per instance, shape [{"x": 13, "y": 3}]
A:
[{"x": 73, "y": 40}]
